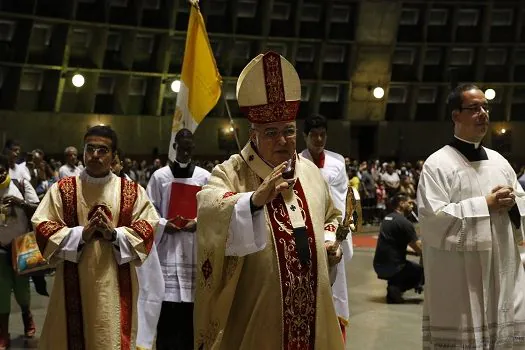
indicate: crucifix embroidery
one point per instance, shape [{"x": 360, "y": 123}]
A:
[{"x": 292, "y": 208}]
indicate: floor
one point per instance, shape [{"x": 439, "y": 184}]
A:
[{"x": 373, "y": 323}]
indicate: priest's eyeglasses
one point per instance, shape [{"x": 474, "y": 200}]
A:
[
  {"x": 272, "y": 133},
  {"x": 101, "y": 150},
  {"x": 477, "y": 109}
]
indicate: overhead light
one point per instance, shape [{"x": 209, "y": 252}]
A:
[
  {"x": 231, "y": 128},
  {"x": 175, "y": 86},
  {"x": 490, "y": 94},
  {"x": 378, "y": 92},
  {"x": 78, "y": 80},
  {"x": 503, "y": 131}
]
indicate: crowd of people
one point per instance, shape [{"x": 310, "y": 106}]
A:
[{"x": 375, "y": 180}]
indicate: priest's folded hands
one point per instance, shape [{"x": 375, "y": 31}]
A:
[
  {"x": 502, "y": 198},
  {"x": 99, "y": 223}
]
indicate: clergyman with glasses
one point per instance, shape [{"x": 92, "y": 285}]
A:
[
  {"x": 266, "y": 231},
  {"x": 471, "y": 210},
  {"x": 97, "y": 227}
]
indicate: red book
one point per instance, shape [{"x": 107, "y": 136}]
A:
[{"x": 183, "y": 203}]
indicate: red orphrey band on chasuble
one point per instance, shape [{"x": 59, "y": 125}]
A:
[{"x": 298, "y": 282}]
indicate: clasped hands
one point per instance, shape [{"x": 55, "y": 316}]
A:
[
  {"x": 99, "y": 223},
  {"x": 171, "y": 227},
  {"x": 501, "y": 198}
]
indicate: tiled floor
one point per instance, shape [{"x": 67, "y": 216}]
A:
[{"x": 373, "y": 323}]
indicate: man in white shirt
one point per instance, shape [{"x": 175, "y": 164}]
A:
[
  {"x": 391, "y": 179},
  {"x": 176, "y": 243},
  {"x": 333, "y": 169},
  {"x": 471, "y": 212},
  {"x": 70, "y": 168}
]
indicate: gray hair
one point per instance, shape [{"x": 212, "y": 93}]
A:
[{"x": 70, "y": 149}]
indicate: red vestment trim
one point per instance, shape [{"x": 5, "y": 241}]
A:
[
  {"x": 126, "y": 307},
  {"x": 44, "y": 231},
  {"x": 73, "y": 300},
  {"x": 145, "y": 231},
  {"x": 320, "y": 162},
  {"x": 128, "y": 196},
  {"x": 298, "y": 283}
]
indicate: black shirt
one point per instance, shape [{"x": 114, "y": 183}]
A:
[{"x": 394, "y": 235}]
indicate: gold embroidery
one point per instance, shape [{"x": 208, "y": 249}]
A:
[
  {"x": 145, "y": 232},
  {"x": 44, "y": 231},
  {"x": 299, "y": 301},
  {"x": 207, "y": 336},
  {"x": 128, "y": 196},
  {"x": 231, "y": 265},
  {"x": 298, "y": 282},
  {"x": 273, "y": 77},
  {"x": 68, "y": 194}
]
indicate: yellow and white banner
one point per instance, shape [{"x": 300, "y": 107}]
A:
[{"x": 200, "y": 86}]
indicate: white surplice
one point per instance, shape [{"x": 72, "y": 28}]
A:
[
  {"x": 177, "y": 252},
  {"x": 474, "y": 279},
  {"x": 333, "y": 170}
]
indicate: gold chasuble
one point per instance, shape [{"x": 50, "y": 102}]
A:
[
  {"x": 268, "y": 299},
  {"x": 94, "y": 297}
]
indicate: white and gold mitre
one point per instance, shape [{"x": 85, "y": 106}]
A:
[{"x": 269, "y": 89}]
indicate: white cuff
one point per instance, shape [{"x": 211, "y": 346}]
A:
[
  {"x": 475, "y": 207},
  {"x": 69, "y": 247},
  {"x": 123, "y": 250},
  {"x": 160, "y": 230},
  {"x": 247, "y": 233}
]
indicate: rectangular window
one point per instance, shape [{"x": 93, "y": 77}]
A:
[
  {"x": 330, "y": 93},
  {"x": 246, "y": 8},
  {"x": 311, "y": 13},
  {"x": 468, "y": 17},
  {"x": 397, "y": 94},
  {"x": 461, "y": 57},
  {"x": 281, "y": 11},
  {"x": 438, "y": 17},
  {"x": 409, "y": 17},
  {"x": 403, "y": 56},
  {"x": 502, "y": 18},
  {"x": 7, "y": 29}
]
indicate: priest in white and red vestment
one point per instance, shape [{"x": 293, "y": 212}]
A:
[
  {"x": 333, "y": 168},
  {"x": 266, "y": 231},
  {"x": 97, "y": 227}
]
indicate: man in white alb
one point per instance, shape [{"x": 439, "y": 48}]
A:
[
  {"x": 333, "y": 169},
  {"x": 172, "y": 190},
  {"x": 471, "y": 210}
]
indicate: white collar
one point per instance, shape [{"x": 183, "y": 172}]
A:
[
  {"x": 476, "y": 144},
  {"x": 182, "y": 165},
  {"x": 84, "y": 176}
]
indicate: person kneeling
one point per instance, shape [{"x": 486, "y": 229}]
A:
[{"x": 390, "y": 262}]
